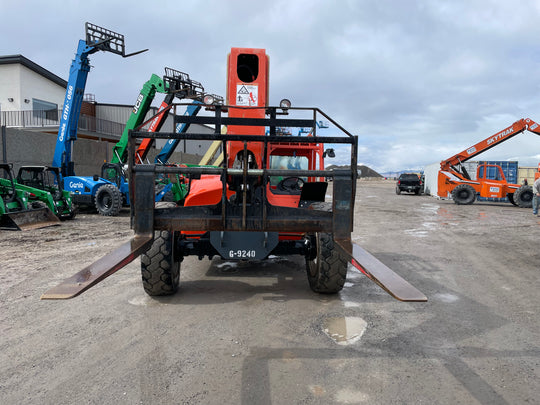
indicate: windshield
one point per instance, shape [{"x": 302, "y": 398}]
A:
[
  {"x": 409, "y": 177},
  {"x": 286, "y": 163}
]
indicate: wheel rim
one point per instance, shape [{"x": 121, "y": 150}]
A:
[
  {"x": 106, "y": 201},
  {"x": 313, "y": 263},
  {"x": 526, "y": 197}
]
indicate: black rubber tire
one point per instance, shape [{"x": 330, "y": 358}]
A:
[
  {"x": 159, "y": 268},
  {"x": 464, "y": 194},
  {"x": 327, "y": 270},
  {"x": 511, "y": 198},
  {"x": 398, "y": 191},
  {"x": 523, "y": 197},
  {"x": 108, "y": 200}
]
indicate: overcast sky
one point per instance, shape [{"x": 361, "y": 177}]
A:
[{"x": 417, "y": 81}]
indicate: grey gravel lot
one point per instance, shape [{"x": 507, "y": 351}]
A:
[{"x": 254, "y": 333}]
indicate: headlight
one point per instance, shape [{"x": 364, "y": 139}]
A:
[
  {"x": 285, "y": 104},
  {"x": 212, "y": 99}
]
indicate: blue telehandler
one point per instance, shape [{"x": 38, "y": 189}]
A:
[{"x": 97, "y": 39}]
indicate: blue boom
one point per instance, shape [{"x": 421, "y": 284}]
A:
[
  {"x": 170, "y": 146},
  {"x": 97, "y": 39}
]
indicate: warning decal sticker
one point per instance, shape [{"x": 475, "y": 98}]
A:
[{"x": 247, "y": 95}]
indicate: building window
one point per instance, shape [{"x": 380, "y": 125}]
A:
[{"x": 45, "y": 109}]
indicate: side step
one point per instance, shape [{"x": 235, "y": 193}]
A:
[
  {"x": 28, "y": 219},
  {"x": 100, "y": 269},
  {"x": 380, "y": 274}
]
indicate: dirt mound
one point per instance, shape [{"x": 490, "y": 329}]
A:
[{"x": 363, "y": 171}]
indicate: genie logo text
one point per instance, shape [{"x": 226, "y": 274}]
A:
[{"x": 73, "y": 185}]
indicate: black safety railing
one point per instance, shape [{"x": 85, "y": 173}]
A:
[
  {"x": 261, "y": 217},
  {"x": 51, "y": 118}
]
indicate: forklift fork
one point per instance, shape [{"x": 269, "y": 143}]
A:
[{"x": 100, "y": 269}]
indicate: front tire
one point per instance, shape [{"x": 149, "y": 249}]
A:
[
  {"x": 523, "y": 197},
  {"x": 464, "y": 194},
  {"x": 327, "y": 267},
  {"x": 108, "y": 200},
  {"x": 160, "y": 268}
]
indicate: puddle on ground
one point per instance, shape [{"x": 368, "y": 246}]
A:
[
  {"x": 345, "y": 330},
  {"x": 228, "y": 267},
  {"x": 418, "y": 233}
]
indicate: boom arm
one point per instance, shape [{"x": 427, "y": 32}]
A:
[
  {"x": 155, "y": 126},
  {"x": 491, "y": 141},
  {"x": 97, "y": 39},
  {"x": 69, "y": 120},
  {"x": 170, "y": 146},
  {"x": 144, "y": 100},
  {"x": 177, "y": 84}
]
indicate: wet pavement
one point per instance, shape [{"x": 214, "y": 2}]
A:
[{"x": 254, "y": 333}]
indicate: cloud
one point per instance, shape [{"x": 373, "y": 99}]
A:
[{"x": 416, "y": 81}]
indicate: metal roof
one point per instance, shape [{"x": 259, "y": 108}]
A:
[{"x": 14, "y": 59}]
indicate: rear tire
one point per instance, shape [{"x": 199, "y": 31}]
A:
[
  {"x": 511, "y": 199},
  {"x": 464, "y": 194},
  {"x": 327, "y": 269},
  {"x": 398, "y": 191},
  {"x": 523, "y": 197},
  {"x": 160, "y": 268},
  {"x": 108, "y": 200}
]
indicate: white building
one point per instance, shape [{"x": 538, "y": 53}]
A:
[
  {"x": 24, "y": 85},
  {"x": 31, "y": 98}
]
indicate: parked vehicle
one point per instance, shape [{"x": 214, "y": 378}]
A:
[
  {"x": 454, "y": 180},
  {"x": 409, "y": 182},
  {"x": 100, "y": 191},
  {"x": 17, "y": 211},
  {"x": 48, "y": 180}
]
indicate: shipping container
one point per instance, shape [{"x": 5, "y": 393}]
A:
[
  {"x": 471, "y": 168},
  {"x": 527, "y": 173}
]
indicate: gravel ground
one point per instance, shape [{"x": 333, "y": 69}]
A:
[{"x": 254, "y": 333}]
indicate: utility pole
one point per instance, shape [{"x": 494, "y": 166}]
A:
[
  {"x": 4, "y": 141},
  {"x": 4, "y": 144}
]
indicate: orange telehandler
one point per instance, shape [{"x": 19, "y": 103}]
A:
[
  {"x": 268, "y": 198},
  {"x": 454, "y": 180}
]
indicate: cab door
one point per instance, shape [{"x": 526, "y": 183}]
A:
[{"x": 493, "y": 181}]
